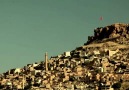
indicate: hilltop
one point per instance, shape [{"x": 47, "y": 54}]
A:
[
  {"x": 101, "y": 63},
  {"x": 117, "y": 32}
]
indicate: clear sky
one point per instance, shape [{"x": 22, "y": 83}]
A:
[{"x": 29, "y": 28}]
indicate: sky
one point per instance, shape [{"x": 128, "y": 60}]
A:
[{"x": 29, "y": 28}]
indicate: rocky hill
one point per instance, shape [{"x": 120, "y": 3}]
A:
[
  {"x": 117, "y": 32},
  {"x": 102, "y": 63}
]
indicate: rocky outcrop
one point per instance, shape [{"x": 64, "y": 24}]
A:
[{"x": 116, "y": 32}]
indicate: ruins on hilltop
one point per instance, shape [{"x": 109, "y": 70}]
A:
[{"x": 102, "y": 63}]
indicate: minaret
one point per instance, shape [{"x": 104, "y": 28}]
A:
[
  {"x": 46, "y": 62},
  {"x": 9, "y": 72},
  {"x": 23, "y": 80}
]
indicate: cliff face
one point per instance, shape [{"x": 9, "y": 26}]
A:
[{"x": 116, "y": 32}]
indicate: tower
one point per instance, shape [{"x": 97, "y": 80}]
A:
[
  {"x": 23, "y": 81},
  {"x": 46, "y": 62}
]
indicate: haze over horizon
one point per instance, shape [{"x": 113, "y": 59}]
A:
[{"x": 30, "y": 28}]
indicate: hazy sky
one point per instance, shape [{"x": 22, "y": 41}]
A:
[{"x": 29, "y": 28}]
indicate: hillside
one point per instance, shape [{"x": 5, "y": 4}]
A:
[{"x": 101, "y": 63}]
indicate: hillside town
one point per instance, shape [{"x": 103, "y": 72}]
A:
[{"x": 100, "y": 64}]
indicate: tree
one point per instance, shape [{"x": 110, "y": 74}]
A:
[
  {"x": 71, "y": 78},
  {"x": 116, "y": 86},
  {"x": 1, "y": 86}
]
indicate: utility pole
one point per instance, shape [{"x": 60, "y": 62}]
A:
[{"x": 46, "y": 62}]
